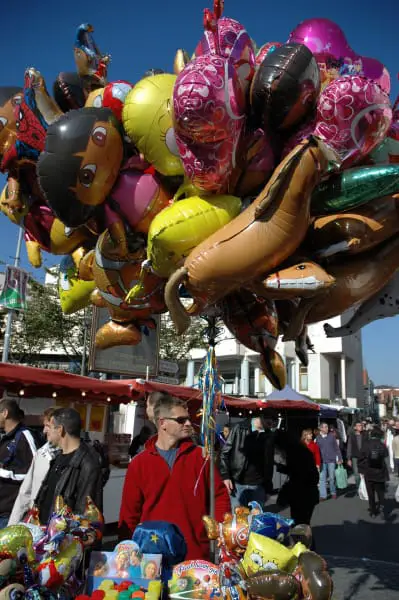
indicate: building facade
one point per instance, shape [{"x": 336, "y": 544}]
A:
[{"x": 334, "y": 373}]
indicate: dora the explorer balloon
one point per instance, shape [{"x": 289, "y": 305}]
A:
[{"x": 80, "y": 164}]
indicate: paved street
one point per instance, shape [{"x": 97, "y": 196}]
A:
[{"x": 362, "y": 552}]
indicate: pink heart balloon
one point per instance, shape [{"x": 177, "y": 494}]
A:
[
  {"x": 353, "y": 116},
  {"x": 335, "y": 57}
]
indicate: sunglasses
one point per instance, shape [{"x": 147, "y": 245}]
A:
[{"x": 180, "y": 420}]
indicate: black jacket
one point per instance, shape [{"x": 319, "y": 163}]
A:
[
  {"x": 365, "y": 465},
  {"x": 353, "y": 448},
  {"x": 16, "y": 452},
  {"x": 81, "y": 478},
  {"x": 233, "y": 461}
]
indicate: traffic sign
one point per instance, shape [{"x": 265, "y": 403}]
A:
[{"x": 168, "y": 366}]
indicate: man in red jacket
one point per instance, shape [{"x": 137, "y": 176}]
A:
[{"x": 169, "y": 481}]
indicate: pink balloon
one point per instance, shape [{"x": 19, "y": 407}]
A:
[
  {"x": 231, "y": 41},
  {"x": 209, "y": 113},
  {"x": 336, "y": 58},
  {"x": 353, "y": 116}
]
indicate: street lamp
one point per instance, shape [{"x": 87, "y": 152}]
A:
[{"x": 86, "y": 324}]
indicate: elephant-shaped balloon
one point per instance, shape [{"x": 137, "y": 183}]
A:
[{"x": 312, "y": 574}]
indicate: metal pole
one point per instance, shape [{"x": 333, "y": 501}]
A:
[
  {"x": 212, "y": 490},
  {"x": 83, "y": 364},
  {"x": 10, "y": 316}
]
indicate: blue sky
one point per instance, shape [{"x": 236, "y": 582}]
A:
[{"x": 141, "y": 35}]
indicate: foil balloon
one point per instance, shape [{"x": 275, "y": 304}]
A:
[
  {"x": 273, "y": 584},
  {"x": 285, "y": 88},
  {"x": 137, "y": 197},
  {"x": 39, "y": 592},
  {"x": 298, "y": 280},
  {"x": 15, "y": 538},
  {"x": 385, "y": 303},
  {"x": 353, "y": 116},
  {"x": 265, "y": 554},
  {"x": 115, "y": 278},
  {"x": 194, "y": 579},
  {"x": 54, "y": 571},
  {"x": 252, "y": 245},
  {"x": 69, "y": 91},
  {"x": 356, "y": 279},
  {"x": 232, "y": 534},
  {"x": 264, "y": 50},
  {"x": 328, "y": 43},
  {"x": 354, "y": 232},
  {"x": 147, "y": 120},
  {"x": 272, "y": 526},
  {"x": 95, "y": 98},
  {"x": 229, "y": 39},
  {"x": 312, "y": 574},
  {"x": 181, "y": 227},
  {"x": 208, "y": 120},
  {"x": 13, "y": 591},
  {"x": 81, "y": 162},
  {"x": 91, "y": 64},
  {"x": 353, "y": 188},
  {"x": 10, "y": 97},
  {"x": 74, "y": 293},
  {"x": 255, "y": 162},
  {"x": 232, "y": 581},
  {"x": 388, "y": 150},
  {"x": 114, "y": 96}
]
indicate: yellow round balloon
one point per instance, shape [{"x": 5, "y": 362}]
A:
[
  {"x": 148, "y": 121},
  {"x": 95, "y": 98},
  {"x": 15, "y": 538},
  {"x": 179, "y": 228}
]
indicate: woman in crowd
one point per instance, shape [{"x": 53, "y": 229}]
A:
[{"x": 307, "y": 439}]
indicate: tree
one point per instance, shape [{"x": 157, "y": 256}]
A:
[
  {"x": 43, "y": 328},
  {"x": 177, "y": 347}
]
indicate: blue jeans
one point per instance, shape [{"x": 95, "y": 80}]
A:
[
  {"x": 248, "y": 493},
  {"x": 3, "y": 522},
  {"x": 327, "y": 468}
]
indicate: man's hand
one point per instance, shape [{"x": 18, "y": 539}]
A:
[
  {"x": 229, "y": 485},
  {"x": 349, "y": 462}
]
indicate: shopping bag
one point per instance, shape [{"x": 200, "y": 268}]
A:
[
  {"x": 397, "y": 494},
  {"x": 363, "y": 495},
  {"x": 341, "y": 477}
]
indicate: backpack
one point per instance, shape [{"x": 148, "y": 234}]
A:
[{"x": 376, "y": 456}]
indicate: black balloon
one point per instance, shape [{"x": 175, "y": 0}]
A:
[
  {"x": 285, "y": 88},
  {"x": 69, "y": 91}
]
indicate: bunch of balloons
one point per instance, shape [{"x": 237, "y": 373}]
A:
[
  {"x": 43, "y": 561},
  {"x": 260, "y": 183},
  {"x": 262, "y": 556}
]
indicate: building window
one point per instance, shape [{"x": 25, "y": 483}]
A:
[
  {"x": 303, "y": 378},
  {"x": 336, "y": 384},
  {"x": 289, "y": 367}
]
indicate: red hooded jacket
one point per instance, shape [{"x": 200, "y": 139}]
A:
[{"x": 153, "y": 492}]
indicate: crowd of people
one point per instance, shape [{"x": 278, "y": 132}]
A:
[{"x": 168, "y": 478}]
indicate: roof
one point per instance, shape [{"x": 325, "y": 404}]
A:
[{"x": 287, "y": 398}]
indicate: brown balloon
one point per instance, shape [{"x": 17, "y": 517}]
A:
[
  {"x": 315, "y": 581},
  {"x": 354, "y": 232},
  {"x": 257, "y": 240},
  {"x": 273, "y": 585},
  {"x": 302, "y": 280},
  {"x": 356, "y": 280}
]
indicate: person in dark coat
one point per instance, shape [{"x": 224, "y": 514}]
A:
[
  {"x": 139, "y": 441},
  {"x": 372, "y": 464},
  {"x": 75, "y": 473},
  {"x": 301, "y": 491}
]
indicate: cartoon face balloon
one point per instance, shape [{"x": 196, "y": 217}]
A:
[
  {"x": 147, "y": 120},
  {"x": 80, "y": 164},
  {"x": 336, "y": 58},
  {"x": 353, "y": 116},
  {"x": 9, "y": 99},
  {"x": 114, "y": 96}
]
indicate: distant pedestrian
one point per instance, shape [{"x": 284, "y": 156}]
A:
[
  {"x": 330, "y": 457},
  {"x": 372, "y": 464},
  {"x": 17, "y": 448},
  {"x": 395, "y": 446},
  {"x": 357, "y": 439},
  {"x": 300, "y": 492},
  {"x": 307, "y": 439}
]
